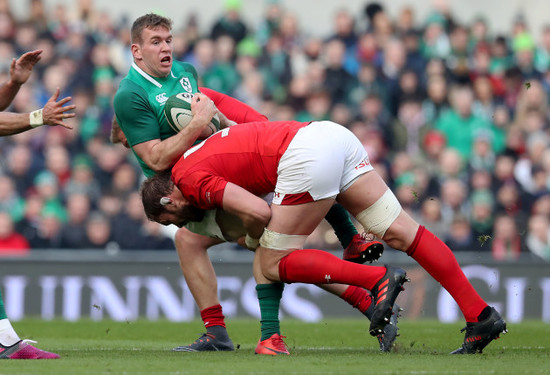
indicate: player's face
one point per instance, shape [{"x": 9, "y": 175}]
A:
[
  {"x": 179, "y": 213},
  {"x": 154, "y": 54}
]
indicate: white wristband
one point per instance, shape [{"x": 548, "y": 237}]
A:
[
  {"x": 35, "y": 118},
  {"x": 251, "y": 243}
]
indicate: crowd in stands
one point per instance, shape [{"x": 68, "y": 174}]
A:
[{"x": 453, "y": 116}]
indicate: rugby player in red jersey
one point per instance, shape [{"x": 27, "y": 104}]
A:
[{"x": 309, "y": 166}]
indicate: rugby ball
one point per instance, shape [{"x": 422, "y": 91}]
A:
[{"x": 177, "y": 111}]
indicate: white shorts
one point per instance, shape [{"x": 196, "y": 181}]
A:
[{"x": 322, "y": 160}]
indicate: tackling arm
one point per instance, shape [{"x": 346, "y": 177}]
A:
[
  {"x": 254, "y": 212},
  {"x": 233, "y": 109}
]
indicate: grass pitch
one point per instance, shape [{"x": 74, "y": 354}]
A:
[{"x": 330, "y": 347}]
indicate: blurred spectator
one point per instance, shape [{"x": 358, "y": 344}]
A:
[
  {"x": 436, "y": 102},
  {"x": 125, "y": 181},
  {"x": 78, "y": 210},
  {"x": 410, "y": 128},
  {"x": 338, "y": 79},
  {"x": 82, "y": 179},
  {"x": 230, "y": 23},
  {"x": 430, "y": 217},
  {"x": 29, "y": 224},
  {"x": 98, "y": 233},
  {"x": 57, "y": 161},
  {"x": 21, "y": 167},
  {"x": 506, "y": 241},
  {"x": 457, "y": 61},
  {"x": 154, "y": 238},
  {"x": 454, "y": 199},
  {"x": 459, "y": 124},
  {"x": 538, "y": 236},
  {"x": 127, "y": 221},
  {"x": 483, "y": 155},
  {"x": 222, "y": 75},
  {"x": 460, "y": 236},
  {"x": 270, "y": 22},
  {"x": 482, "y": 215},
  {"x": 47, "y": 187},
  {"x": 10, "y": 201},
  {"x": 48, "y": 234},
  {"x": 11, "y": 242}
]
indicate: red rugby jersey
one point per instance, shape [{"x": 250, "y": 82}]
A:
[{"x": 247, "y": 155}]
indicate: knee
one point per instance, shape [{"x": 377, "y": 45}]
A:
[
  {"x": 401, "y": 233},
  {"x": 269, "y": 263},
  {"x": 181, "y": 240}
]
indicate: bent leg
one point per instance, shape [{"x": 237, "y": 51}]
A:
[
  {"x": 310, "y": 266},
  {"x": 201, "y": 279},
  {"x": 197, "y": 268},
  {"x": 406, "y": 235}
]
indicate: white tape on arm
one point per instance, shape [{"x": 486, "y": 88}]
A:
[
  {"x": 35, "y": 118},
  {"x": 251, "y": 243}
]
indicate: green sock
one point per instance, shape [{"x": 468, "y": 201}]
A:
[
  {"x": 2, "y": 310},
  {"x": 339, "y": 220},
  {"x": 269, "y": 296}
]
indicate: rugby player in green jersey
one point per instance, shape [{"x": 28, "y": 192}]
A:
[
  {"x": 53, "y": 114},
  {"x": 138, "y": 104}
]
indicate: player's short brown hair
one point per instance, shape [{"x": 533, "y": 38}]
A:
[
  {"x": 152, "y": 190},
  {"x": 148, "y": 21}
]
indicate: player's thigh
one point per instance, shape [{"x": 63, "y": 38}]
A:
[
  {"x": 363, "y": 192},
  {"x": 299, "y": 219}
]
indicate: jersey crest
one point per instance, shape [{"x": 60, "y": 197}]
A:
[{"x": 186, "y": 84}]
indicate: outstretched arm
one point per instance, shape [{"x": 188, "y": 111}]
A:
[
  {"x": 20, "y": 70},
  {"x": 233, "y": 109},
  {"x": 53, "y": 114}
]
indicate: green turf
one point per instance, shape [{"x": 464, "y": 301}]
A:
[{"x": 330, "y": 347}]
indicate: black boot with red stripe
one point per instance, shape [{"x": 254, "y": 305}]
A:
[
  {"x": 480, "y": 334},
  {"x": 385, "y": 293}
]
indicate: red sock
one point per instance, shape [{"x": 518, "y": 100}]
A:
[
  {"x": 359, "y": 298},
  {"x": 319, "y": 267},
  {"x": 436, "y": 258},
  {"x": 213, "y": 316}
]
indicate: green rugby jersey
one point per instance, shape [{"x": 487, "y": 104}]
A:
[{"x": 139, "y": 103}]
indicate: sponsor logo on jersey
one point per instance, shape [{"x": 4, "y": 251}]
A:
[
  {"x": 364, "y": 163},
  {"x": 186, "y": 84},
  {"x": 161, "y": 98}
]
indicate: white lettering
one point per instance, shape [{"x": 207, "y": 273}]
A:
[
  {"x": 106, "y": 298},
  {"x": 72, "y": 297},
  {"x": 299, "y": 307},
  {"x": 545, "y": 286},
  {"x": 233, "y": 284},
  {"x": 161, "y": 296},
  {"x": 249, "y": 298},
  {"x": 48, "y": 285},
  {"x": 515, "y": 301},
  {"x": 14, "y": 296}
]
